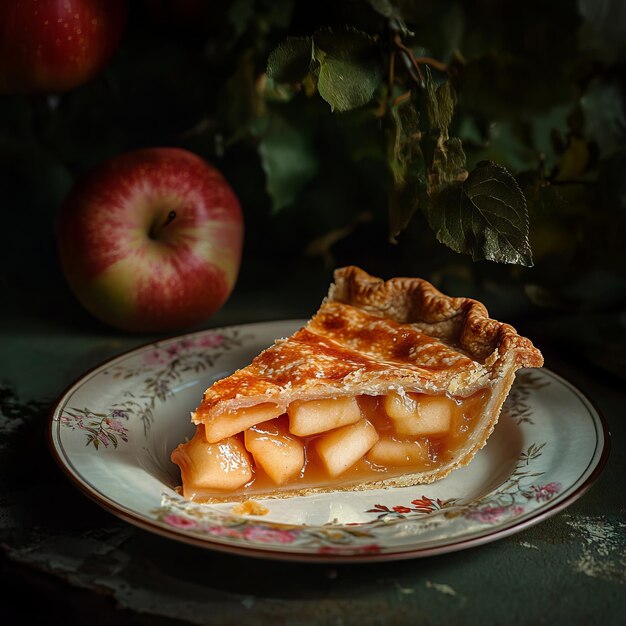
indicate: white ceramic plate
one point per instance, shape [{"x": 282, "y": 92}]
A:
[{"x": 113, "y": 431}]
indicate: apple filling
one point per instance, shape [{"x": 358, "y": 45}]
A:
[{"x": 326, "y": 443}]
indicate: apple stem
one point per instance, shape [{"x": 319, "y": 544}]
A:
[
  {"x": 155, "y": 232},
  {"x": 170, "y": 218}
]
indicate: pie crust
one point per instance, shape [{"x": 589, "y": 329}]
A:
[{"x": 369, "y": 339}]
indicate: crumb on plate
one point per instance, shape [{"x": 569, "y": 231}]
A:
[{"x": 250, "y": 507}]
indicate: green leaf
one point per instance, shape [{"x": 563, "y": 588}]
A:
[
  {"x": 349, "y": 68},
  {"x": 604, "y": 108},
  {"x": 403, "y": 202},
  {"x": 602, "y": 30},
  {"x": 446, "y": 155},
  {"x": 273, "y": 92},
  {"x": 440, "y": 102},
  {"x": 448, "y": 164},
  {"x": 485, "y": 216},
  {"x": 385, "y": 8},
  {"x": 290, "y": 61},
  {"x": 239, "y": 105},
  {"x": 405, "y": 138},
  {"x": 406, "y": 162},
  {"x": 388, "y": 9},
  {"x": 402, "y": 10},
  {"x": 288, "y": 159},
  {"x": 345, "y": 85}
]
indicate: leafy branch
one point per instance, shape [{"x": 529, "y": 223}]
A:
[
  {"x": 342, "y": 65},
  {"x": 482, "y": 213}
]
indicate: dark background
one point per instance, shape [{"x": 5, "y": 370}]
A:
[{"x": 540, "y": 91}]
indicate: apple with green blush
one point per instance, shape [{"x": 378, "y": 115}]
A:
[{"x": 151, "y": 240}]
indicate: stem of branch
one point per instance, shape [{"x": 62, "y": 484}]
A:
[
  {"x": 392, "y": 69},
  {"x": 438, "y": 65},
  {"x": 414, "y": 62},
  {"x": 401, "y": 98},
  {"x": 408, "y": 52}
]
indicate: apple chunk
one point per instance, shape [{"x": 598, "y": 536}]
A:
[
  {"x": 420, "y": 414},
  {"x": 233, "y": 422},
  {"x": 280, "y": 455},
  {"x": 342, "y": 448},
  {"x": 311, "y": 417},
  {"x": 389, "y": 452},
  {"x": 225, "y": 465}
]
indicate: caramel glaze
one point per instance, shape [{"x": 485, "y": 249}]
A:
[
  {"x": 441, "y": 450},
  {"x": 339, "y": 341}
]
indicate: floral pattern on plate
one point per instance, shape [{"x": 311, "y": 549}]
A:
[
  {"x": 506, "y": 502},
  {"x": 114, "y": 429},
  {"x": 162, "y": 365}
]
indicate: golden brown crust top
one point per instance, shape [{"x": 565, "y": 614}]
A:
[
  {"x": 370, "y": 336},
  {"x": 462, "y": 322}
]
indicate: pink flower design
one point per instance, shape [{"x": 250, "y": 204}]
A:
[
  {"x": 210, "y": 340},
  {"x": 422, "y": 505},
  {"x": 117, "y": 426},
  {"x": 71, "y": 421},
  {"x": 155, "y": 357},
  {"x": 487, "y": 515},
  {"x": 546, "y": 492},
  {"x": 493, "y": 514},
  {"x": 221, "y": 531},
  {"x": 103, "y": 439},
  {"x": 178, "y": 521},
  {"x": 263, "y": 534},
  {"x": 173, "y": 350}
]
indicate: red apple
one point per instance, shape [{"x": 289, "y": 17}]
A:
[
  {"x": 151, "y": 240},
  {"x": 49, "y": 46}
]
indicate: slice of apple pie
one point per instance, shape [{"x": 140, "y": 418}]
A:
[{"x": 389, "y": 384}]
